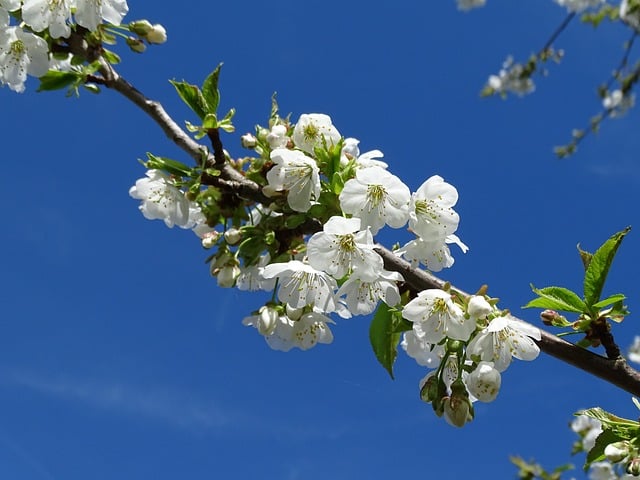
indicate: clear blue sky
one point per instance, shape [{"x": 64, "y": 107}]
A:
[{"x": 119, "y": 356}]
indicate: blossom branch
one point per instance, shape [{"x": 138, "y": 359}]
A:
[{"x": 615, "y": 371}]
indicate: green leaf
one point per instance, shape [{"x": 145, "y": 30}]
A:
[
  {"x": 171, "y": 166},
  {"x": 596, "y": 454},
  {"x": 192, "y": 96},
  {"x": 56, "y": 80},
  {"x": 384, "y": 337},
  {"x": 618, "y": 297},
  {"x": 556, "y": 298},
  {"x": 210, "y": 90},
  {"x": 585, "y": 257},
  {"x": 598, "y": 268}
]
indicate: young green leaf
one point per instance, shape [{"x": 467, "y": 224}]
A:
[
  {"x": 210, "y": 90},
  {"x": 618, "y": 297},
  {"x": 384, "y": 337},
  {"x": 56, "y": 80},
  {"x": 556, "y": 298},
  {"x": 192, "y": 96},
  {"x": 598, "y": 268}
]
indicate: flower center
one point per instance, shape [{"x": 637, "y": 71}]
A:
[
  {"x": 376, "y": 194},
  {"x": 311, "y": 132},
  {"x": 18, "y": 48},
  {"x": 424, "y": 208},
  {"x": 347, "y": 243}
]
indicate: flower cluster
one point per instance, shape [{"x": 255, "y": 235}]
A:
[
  {"x": 578, "y": 6},
  {"x": 469, "y": 344},
  {"x": 512, "y": 78},
  {"x": 32, "y": 30},
  {"x": 312, "y": 244}
]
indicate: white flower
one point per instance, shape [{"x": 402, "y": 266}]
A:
[
  {"x": 504, "y": 338},
  {"x": 350, "y": 151},
  {"x": 252, "y": 278},
  {"x": 89, "y": 13},
  {"x": 634, "y": 350},
  {"x": 588, "y": 428},
  {"x": 4, "y": 18},
  {"x": 602, "y": 471},
  {"x": 423, "y": 352},
  {"x": 362, "y": 296},
  {"x": 21, "y": 53},
  {"x": 484, "y": 382},
  {"x": 302, "y": 285},
  {"x": 297, "y": 173},
  {"x": 342, "y": 248},
  {"x": 10, "y": 5},
  {"x": 376, "y": 197},
  {"x": 435, "y": 316},
  {"x": 277, "y": 137},
  {"x": 578, "y": 5},
  {"x": 512, "y": 78},
  {"x": 304, "y": 333},
  {"x": 618, "y": 103},
  {"x": 435, "y": 255},
  {"x": 466, "y": 5},
  {"x": 431, "y": 214},
  {"x": 157, "y": 34},
  {"x": 162, "y": 200},
  {"x": 51, "y": 14},
  {"x": 313, "y": 130}
]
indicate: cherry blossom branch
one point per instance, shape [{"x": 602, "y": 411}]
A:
[{"x": 615, "y": 371}]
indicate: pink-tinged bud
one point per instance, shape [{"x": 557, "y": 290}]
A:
[
  {"x": 553, "y": 318},
  {"x": 157, "y": 35},
  {"x": 210, "y": 239},
  {"x": 268, "y": 320}
]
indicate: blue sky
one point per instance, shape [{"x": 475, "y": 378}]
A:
[{"x": 119, "y": 356}]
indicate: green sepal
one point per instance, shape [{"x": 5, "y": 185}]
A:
[
  {"x": 598, "y": 268},
  {"x": 556, "y": 298},
  {"x": 210, "y": 90},
  {"x": 192, "y": 96},
  {"x": 386, "y": 328},
  {"x": 110, "y": 56},
  {"x": 210, "y": 121},
  {"x": 171, "y": 166}
]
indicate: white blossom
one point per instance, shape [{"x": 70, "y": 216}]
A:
[
  {"x": 89, "y": 13},
  {"x": 376, "y": 197},
  {"x": 10, "y": 5},
  {"x": 21, "y": 53},
  {"x": 435, "y": 316},
  {"x": 277, "y": 137},
  {"x": 342, "y": 248},
  {"x": 588, "y": 428},
  {"x": 304, "y": 333},
  {"x": 252, "y": 278},
  {"x": 634, "y": 350},
  {"x": 511, "y": 78},
  {"x": 578, "y": 5},
  {"x": 484, "y": 382},
  {"x": 350, "y": 151},
  {"x": 51, "y": 14},
  {"x": 313, "y": 130},
  {"x": 301, "y": 285},
  {"x": 4, "y": 18},
  {"x": 162, "y": 200},
  {"x": 504, "y": 338},
  {"x": 435, "y": 255},
  {"x": 618, "y": 103},
  {"x": 424, "y": 353},
  {"x": 478, "y": 307},
  {"x": 298, "y": 174},
  {"x": 362, "y": 296},
  {"x": 466, "y": 5},
  {"x": 431, "y": 214}
]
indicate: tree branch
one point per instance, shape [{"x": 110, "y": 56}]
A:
[{"x": 615, "y": 371}]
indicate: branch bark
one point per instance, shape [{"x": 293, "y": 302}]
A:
[{"x": 614, "y": 371}]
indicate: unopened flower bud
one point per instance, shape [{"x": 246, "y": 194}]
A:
[
  {"x": 616, "y": 452},
  {"x": 157, "y": 35},
  {"x": 209, "y": 239},
  {"x": 294, "y": 313},
  {"x": 478, "y": 307},
  {"x": 552, "y": 318},
  {"x": 136, "y": 44},
  {"x": 484, "y": 382},
  {"x": 277, "y": 137},
  {"x": 248, "y": 140},
  {"x": 633, "y": 467},
  {"x": 458, "y": 409},
  {"x": 227, "y": 276},
  {"x": 232, "y": 236},
  {"x": 268, "y": 320},
  {"x": 140, "y": 27},
  {"x": 429, "y": 388}
]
